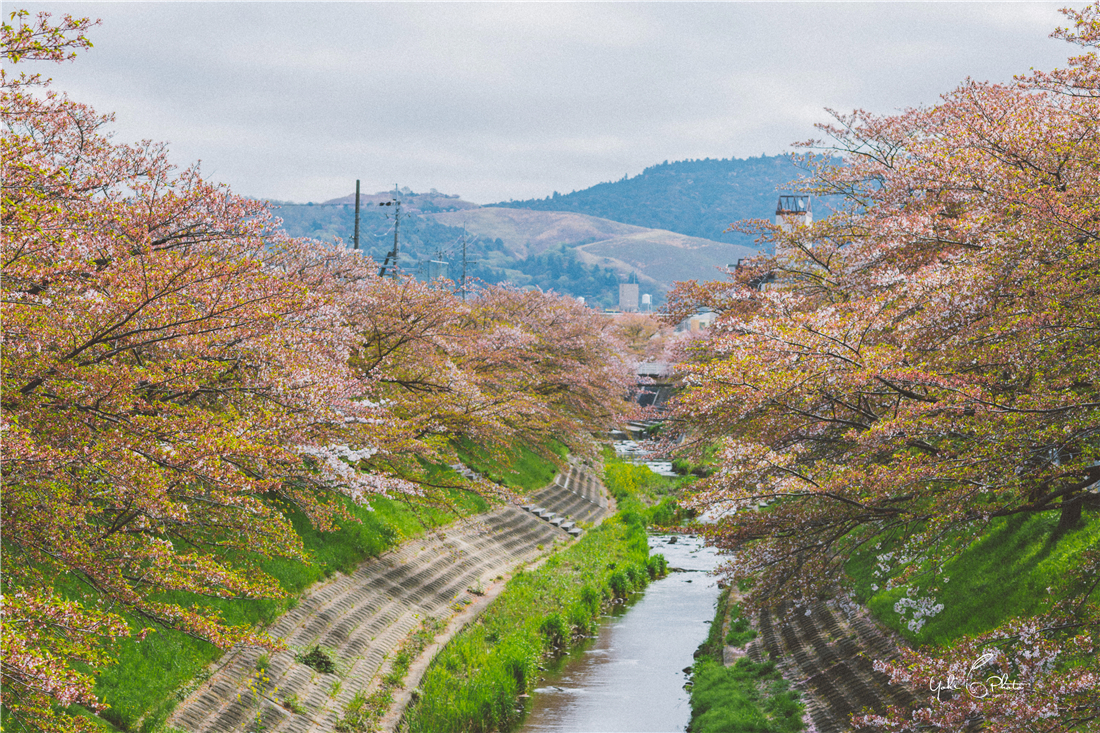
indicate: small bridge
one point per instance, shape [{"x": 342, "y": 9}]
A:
[{"x": 653, "y": 383}]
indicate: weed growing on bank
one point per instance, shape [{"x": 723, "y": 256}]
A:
[
  {"x": 740, "y": 630},
  {"x": 639, "y": 491},
  {"x": 747, "y": 696},
  {"x": 363, "y": 712}
]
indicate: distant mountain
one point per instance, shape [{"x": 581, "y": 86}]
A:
[
  {"x": 424, "y": 239},
  {"x": 699, "y": 198},
  {"x": 666, "y": 224},
  {"x": 658, "y": 257},
  {"x": 411, "y": 202},
  {"x": 527, "y": 232}
]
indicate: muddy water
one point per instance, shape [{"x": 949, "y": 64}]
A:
[{"x": 630, "y": 678}]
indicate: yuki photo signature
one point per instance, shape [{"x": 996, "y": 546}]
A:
[{"x": 993, "y": 684}]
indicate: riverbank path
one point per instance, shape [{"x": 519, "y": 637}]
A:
[{"x": 358, "y": 620}]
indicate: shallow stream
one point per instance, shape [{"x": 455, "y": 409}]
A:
[{"x": 630, "y": 678}]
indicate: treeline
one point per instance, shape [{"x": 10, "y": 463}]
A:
[
  {"x": 921, "y": 376},
  {"x": 182, "y": 379}
]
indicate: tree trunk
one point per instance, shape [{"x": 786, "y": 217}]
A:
[{"x": 1071, "y": 513}]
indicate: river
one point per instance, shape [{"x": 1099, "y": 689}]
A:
[{"x": 630, "y": 678}]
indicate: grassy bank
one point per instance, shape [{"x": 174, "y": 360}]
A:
[
  {"x": 1003, "y": 575},
  {"x": 639, "y": 491},
  {"x": 522, "y": 469},
  {"x": 153, "y": 675},
  {"x": 746, "y": 697},
  {"x": 474, "y": 683}
]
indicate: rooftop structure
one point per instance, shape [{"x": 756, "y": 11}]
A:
[{"x": 792, "y": 211}]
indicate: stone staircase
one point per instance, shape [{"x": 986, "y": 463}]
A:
[{"x": 575, "y": 496}]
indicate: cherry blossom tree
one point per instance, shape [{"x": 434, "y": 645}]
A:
[
  {"x": 926, "y": 361},
  {"x": 501, "y": 367},
  {"x": 164, "y": 381},
  {"x": 177, "y": 371},
  {"x": 566, "y": 356}
]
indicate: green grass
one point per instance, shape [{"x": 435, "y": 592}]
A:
[
  {"x": 740, "y": 632},
  {"x": 1003, "y": 575},
  {"x": 520, "y": 468},
  {"x": 712, "y": 647},
  {"x": 638, "y": 490},
  {"x": 744, "y": 698},
  {"x": 473, "y": 685},
  {"x": 152, "y": 676}
]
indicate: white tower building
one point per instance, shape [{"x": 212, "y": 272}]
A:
[{"x": 628, "y": 296}]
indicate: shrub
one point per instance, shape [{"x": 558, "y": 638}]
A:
[
  {"x": 317, "y": 658},
  {"x": 554, "y": 629},
  {"x": 619, "y": 584}
]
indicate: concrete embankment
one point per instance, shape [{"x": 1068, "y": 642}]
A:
[
  {"x": 358, "y": 620},
  {"x": 827, "y": 653}
]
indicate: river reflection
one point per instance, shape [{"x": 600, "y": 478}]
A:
[{"x": 630, "y": 678}]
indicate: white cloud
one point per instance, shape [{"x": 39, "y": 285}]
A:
[{"x": 495, "y": 101}]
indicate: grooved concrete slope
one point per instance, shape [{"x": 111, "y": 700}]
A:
[
  {"x": 576, "y": 494},
  {"x": 364, "y": 616},
  {"x": 828, "y": 657}
]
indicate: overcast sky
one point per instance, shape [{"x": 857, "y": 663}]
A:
[{"x": 295, "y": 101}]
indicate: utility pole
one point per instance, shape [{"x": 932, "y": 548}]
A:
[
  {"x": 355, "y": 239},
  {"x": 465, "y": 261},
  {"x": 396, "y": 225}
]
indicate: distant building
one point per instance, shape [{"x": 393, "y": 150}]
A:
[
  {"x": 628, "y": 297},
  {"x": 653, "y": 384},
  {"x": 698, "y": 322}
]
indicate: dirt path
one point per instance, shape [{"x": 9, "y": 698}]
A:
[{"x": 359, "y": 619}]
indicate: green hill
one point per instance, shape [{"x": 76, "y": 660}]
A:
[
  {"x": 423, "y": 238},
  {"x": 699, "y": 198}
]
